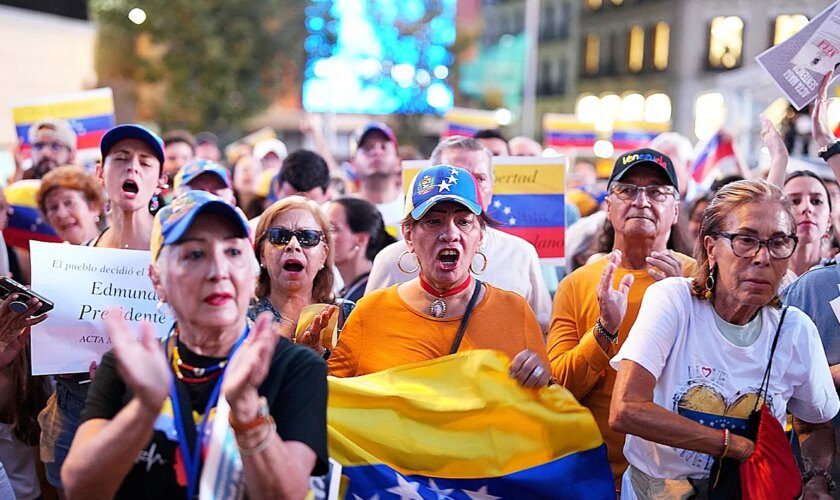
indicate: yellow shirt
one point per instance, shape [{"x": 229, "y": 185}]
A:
[
  {"x": 577, "y": 360},
  {"x": 383, "y": 332}
]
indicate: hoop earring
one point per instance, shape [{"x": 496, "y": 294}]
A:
[
  {"x": 710, "y": 284},
  {"x": 483, "y": 268},
  {"x": 162, "y": 308},
  {"x": 399, "y": 263}
]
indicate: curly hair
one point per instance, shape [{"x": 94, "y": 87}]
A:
[
  {"x": 726, "y": 201},
  {"x": 322, "y": 285},
  {"x": 75, "y": 179}
]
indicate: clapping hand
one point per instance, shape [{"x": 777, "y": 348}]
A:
[
  {"x": 773, "y": 140},
  {"x": 141, "y": 362},
  {"x": 613, "y": 303},
  {"x": 664, "y": 264},
  {"x": 248, "y": 369},
  {"x": 820, "y": 129},
  {"x": 311, "y": 335}
]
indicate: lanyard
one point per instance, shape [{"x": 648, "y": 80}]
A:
[{"x": 192, "y": 458}]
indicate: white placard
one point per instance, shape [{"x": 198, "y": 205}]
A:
[
  {"x": 800, "y": 82},
  {"x": 84, "y": 282}
]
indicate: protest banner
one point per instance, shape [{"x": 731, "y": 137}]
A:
[
  {"x": 466, "y": 122},
  {"x": 798, "y": 82},
  {"x": 821, "y": 52},
  {"x": 89, "y": 113},
  {"x": 528, "y": 199},
  {"x": 84, "y": 282},
  {"x": 566, "y": 131}
]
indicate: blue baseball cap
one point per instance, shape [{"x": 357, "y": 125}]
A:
[
  {"x": 198, "y": 167},
  {"x": 174, "y": 220},
  {"x": 376, "y": 127},
  {"x": 132, "y": 131},
  {"x": 442, "y": 183}
]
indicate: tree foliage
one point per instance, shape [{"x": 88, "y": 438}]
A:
[{"x": 203, "y": 64}]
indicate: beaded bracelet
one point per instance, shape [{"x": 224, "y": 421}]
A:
[
  {"x": 810, "y": 472},
  {"x": 725, "y": 443}
]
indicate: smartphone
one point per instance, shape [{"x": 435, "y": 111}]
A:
[{"x": 9, "y": 286}]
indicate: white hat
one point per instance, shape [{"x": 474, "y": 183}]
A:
[{"x": 266, "y": 146}]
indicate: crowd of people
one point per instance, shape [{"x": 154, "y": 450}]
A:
[{"x": 685, "y": 313}]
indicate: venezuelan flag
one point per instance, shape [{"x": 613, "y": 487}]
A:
[
  {"x": 717, "y": 148},
  {"x": 530, "y": 202},
  {"x": 565, "y": 131},
  {"x": 90, "y": 113},
  {"x": 25, "y": 220},
  {"x": 460, "y": 427},
  {"x": 636, "y": 134},
  {"x": 466, "y": 122}
]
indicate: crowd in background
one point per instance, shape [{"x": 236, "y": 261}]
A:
[{"x": 683, "y": 308}]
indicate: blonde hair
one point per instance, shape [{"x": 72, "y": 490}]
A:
[
  {"x": 322, "y": 285},
  {"x": 727, "y": 200}
]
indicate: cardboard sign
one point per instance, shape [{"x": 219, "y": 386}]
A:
[
  {"x": 528, "y": 199},
  {"x": 800, "y": 83},
  {"x": 84, "y": 283}
]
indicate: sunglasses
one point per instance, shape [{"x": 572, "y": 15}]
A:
[{"x": 280, "y": 237}]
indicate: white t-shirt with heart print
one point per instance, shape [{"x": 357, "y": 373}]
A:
[{"x": 704, "y": 377}]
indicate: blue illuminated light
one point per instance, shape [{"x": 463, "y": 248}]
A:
[{"x": 388, "y": 56}]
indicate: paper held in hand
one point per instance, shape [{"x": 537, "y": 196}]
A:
[
  {"x": 84, "y": 282},
  {"x": 798, "y": 64}
]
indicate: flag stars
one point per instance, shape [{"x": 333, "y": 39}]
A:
[
  {"x": 497, "y": 204},
  {"x": 452, "y": 179},
  {"x": 443, "y": 186},
  {"x": 506, "y": 211},
  {"x": 480, "y": 494},
  {"x": 441, "y": 493},
  {"x": 512, "y": 221},
  {"x": 406, "y": 490}
]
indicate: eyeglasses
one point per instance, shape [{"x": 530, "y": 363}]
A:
[
  {"x": 55, "y": 146},
  {"x": 779, "y": 247},
  {"x": 280, "y": 236},
  {"x": 628, "y": 192}
]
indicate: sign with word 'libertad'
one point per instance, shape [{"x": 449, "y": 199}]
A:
[{"x": 87, "y": 284}]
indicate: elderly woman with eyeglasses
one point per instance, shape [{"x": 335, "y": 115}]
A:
[
  {"x": 293, "y": 246},
  {"x": 444, "y": 310},
  {"x": 224, "y": 408},
  {"x": 692, "y": 368}
]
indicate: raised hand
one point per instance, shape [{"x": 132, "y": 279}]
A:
[
  {"x": 529, "y": 370},
  {"x": 663, "y": 264},
  {"x": 11, "y": 350},
  {"x": 311, "y": 336},
  {"x": 613, "y": 303},
  {"x": 141, "y": 362},
  {"x": 248, "y": 369},
  {"x": 819, "y": 116}
]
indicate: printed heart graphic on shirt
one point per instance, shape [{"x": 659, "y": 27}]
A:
[
  {"x": 707, "y": 406},
  {"x": 706, "y": 371}
]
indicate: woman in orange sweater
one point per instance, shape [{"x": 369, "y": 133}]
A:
[{"x": 444, "y": 309}]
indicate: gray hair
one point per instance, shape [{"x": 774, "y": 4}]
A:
[{"x": 463, "y": 143}]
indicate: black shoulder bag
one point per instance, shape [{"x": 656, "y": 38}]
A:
[{"x": 466, "y": 319}]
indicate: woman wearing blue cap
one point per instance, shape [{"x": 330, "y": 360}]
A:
[
  {"x": 224, "y": 409},
  {"x": 444, "y": 309}
]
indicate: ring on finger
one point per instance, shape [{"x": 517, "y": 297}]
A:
[{"x": 538, "y": 372}]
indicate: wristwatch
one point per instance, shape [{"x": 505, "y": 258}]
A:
[
  {"x": 612, "y": 337},
  {"x": 827, "y": 152},
  {"x": 263, "y": 417}
]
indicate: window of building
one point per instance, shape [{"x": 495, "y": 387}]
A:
[
  {"x": 591, "y": 54},
  {"x": 726, "y": 38},
  {"x": 594, "y": 4},
  {"x": 636, "y": 49},
  {"x": 786, "y": 26},
  {"x": 617, "y": 2},
  {"x": 709, "y": 115},
  {"x": 658, "y": 108},
  {"x": 661, "y": 45}
]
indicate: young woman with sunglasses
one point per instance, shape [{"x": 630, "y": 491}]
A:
[{"x": 294, "y": 249}]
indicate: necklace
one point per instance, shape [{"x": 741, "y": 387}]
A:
[
  {"x": 438, "y": 307},
  {"x": 199, "y": 374}
]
